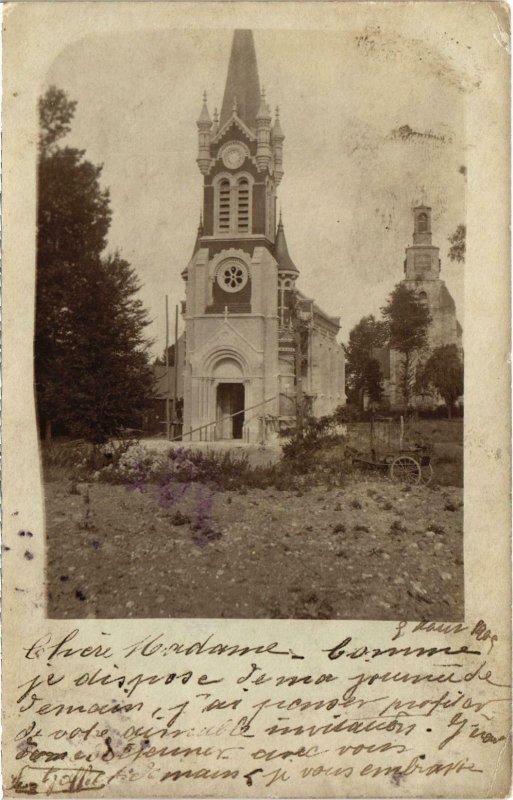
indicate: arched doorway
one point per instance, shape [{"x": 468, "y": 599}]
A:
[
  {"x": 229, "y": 398},
  {"x": 230, "y": 410}
]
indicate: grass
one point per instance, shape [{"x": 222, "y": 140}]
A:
[
  {"x": 444, "y": 437},
  {"x": 324, "y": 461}
]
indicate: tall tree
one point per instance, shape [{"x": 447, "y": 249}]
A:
[
  {"x": 161, "y": 360},
  {"x": 458, "y": 244},
  {"x": 408, "y": 320},
  {"x": 91, "y": 369},
  {"x": 366, "y": 335},
  {"x": 443, "y": 373},
  {"x": 373, "y": 380}
]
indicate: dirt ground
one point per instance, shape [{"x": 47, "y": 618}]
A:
[{"x": 368, "y": 550}]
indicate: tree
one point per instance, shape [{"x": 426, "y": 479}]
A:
[
  {"x": 299, "y": 321},
  {"x": 91, "y": 364},
  {"x": 373, "y": 380},
  {"x": 443, "y": 373},
  {"x": 161, "y": 360},
  {"x": 458, "y": 244},
  {"x": 408, "y": 319},
  {"x": 366, "y": 335}
]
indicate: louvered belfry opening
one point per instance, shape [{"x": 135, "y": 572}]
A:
[
  {"x": 224, "y": 206},
  {"x": 243, "y": 206}
]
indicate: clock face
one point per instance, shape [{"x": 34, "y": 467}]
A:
[{"x": 233, "y": 156}]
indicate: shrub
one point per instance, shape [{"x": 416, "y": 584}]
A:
[
  {"x": 319, "y": 456},
  {"x": 60, "y": 458}
]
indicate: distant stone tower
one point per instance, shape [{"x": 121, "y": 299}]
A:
[
  {"x": 422, "y": 274},
  {"x": 422, "y": 267}
]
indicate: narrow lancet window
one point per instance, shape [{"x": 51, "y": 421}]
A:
[
  {"x": 224, "y": 206},
  {"x": 243, "y": 206}
]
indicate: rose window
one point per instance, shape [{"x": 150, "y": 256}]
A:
[{"x": 232, "y": 275}]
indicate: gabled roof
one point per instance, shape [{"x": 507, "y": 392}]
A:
[
  {"x": 234, "y": 119},
  {"x": 334, "y": 322},
  {"x": 242, "y": 81}
]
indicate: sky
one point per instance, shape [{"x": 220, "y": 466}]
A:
[{"x": 373, "y": 125}]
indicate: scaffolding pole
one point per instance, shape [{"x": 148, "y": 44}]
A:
[{"x": 167, "y": 371}]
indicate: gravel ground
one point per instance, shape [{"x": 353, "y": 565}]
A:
[{"x": 369, "y": 550}]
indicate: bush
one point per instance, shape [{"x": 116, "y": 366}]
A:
[
  {"x": 320, "y": 456},
  {"x": 60, "y": 458},
  {"x": 440, "y": 412},
  {"x": 318, "y": 449}
]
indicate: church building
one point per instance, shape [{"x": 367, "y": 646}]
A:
[
  {"x": 245, "y": 318},
  {"x": 422, "y": 266}
]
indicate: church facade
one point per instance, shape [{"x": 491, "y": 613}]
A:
[{"x": 245, "y": 318}]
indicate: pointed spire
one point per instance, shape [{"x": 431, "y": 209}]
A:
[
  {"x": 281, "y": 251},
  {"x": 204, "y": 118},
  {"x": 277, "y": 133},
  {"x": 277, "y": 138},
  {"x": 264, "y": 114},
  {"x": 242, "y": 80}
]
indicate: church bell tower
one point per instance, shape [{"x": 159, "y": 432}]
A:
[
  {"x": 422, "y": 267},
  {"x": 231, "y": 313}
]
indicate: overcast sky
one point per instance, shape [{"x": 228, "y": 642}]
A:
[{"x": 350, "y": 180}]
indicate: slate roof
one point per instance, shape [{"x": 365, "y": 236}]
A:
[{"x": 242, "y": 81}]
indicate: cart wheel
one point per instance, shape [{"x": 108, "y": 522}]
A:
[
  {"x": 427, "y": 473},
  {"x": 406, "y": 470}
]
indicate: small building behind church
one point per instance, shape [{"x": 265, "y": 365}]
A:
[{"x": 240, "y": 368}]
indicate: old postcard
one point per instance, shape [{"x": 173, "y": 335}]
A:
[{"x": 256, "y": 373}]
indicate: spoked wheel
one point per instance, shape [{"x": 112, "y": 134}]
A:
[
  {"x": 406, "y": 469},
  {"x": 426, "y": 473}
]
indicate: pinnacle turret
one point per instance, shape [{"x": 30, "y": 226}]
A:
[
  {"x": 264, "y": 112},
  {"x": 277, "y": 138},
  {"x": 204, "y": 124},
  {"x": 204, "y": 117},
  {"x": 281, "y": 251},
  {"x": 263, "y": 127},
  {"x": 215, "y": 124}
]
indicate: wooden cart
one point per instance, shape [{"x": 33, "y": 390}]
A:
[{"x": 388, "y": 452}]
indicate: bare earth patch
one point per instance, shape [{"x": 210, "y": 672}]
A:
[{"x": 369, "y": 550}]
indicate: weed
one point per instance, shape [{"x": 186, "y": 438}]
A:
[
  {"x": 339, "y": 528},
  {"x": 361, "y": 528},
  {"x": 355, "y": 503},
  {"x": 177, "y": 518},
  {"x": 437, "y": 529}
]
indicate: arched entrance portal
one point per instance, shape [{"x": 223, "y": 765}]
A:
[
  {"x": 229, "y": 398},
  {"x": 230, "y": 410}
]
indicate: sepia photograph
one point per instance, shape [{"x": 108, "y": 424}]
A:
[
  {"x": 248, "y": 348},
  {"x": 256, "y": 394}
]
